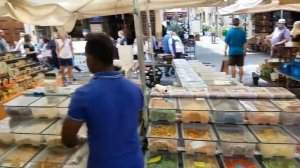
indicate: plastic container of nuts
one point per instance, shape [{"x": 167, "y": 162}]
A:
[
  {"x": 162, "y": 136},
  {"x": 162, "y": 109},
  {"x": 199, "y": 138}
]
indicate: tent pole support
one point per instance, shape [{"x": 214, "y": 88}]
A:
[
  {"x": 141, "y": 57},
  {"x": 150, "y": 41}
]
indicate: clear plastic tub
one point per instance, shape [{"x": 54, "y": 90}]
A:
[
  {"x": 225, "y": 105},
  {"x": 6, "y": 126},
  {"x": 280, "y": 162},
  {"x": 18, "y": 107},
  {"x": 162, "y": 109},
  {"x": 162, "y": 136},
  {"x": 236, "y": 140},
  {"x": 291, "y": 111},
  {"x": 295, "y": 132},
  {"x": 162, "y": 130},
  {"x": 56, "y": 129},
  {"x": 19, "y": 156},
  {"x": 190, "y": 104},
  {"x": 34, "y": 126},
  {"x": 240, "y": 161},
  {"x": 198, "y": 161},
  {"x": 240, "y": 92},
  {"x": 217, "y": 92},
  {"x": 53, "y": 140},
  {"x": 163, "y": 103},
  {"x": 160, "y": 144},
  {"x": 29, "y": 139},
  {"x": 46, "y": 107},
  {"x": 195, "y": 116},
  {"x": 5, "y": 148},
  {"x": 199, "y": 138},
  {"x": 274, "y": 141},
  {"x": 261, "y": 112},
  {"x": 227, "y": 111},
  {"x": 63, "y": 108},
  {"x": 261, "y": 93},
  {"x": 161, "y": 159},
  {"x": 50, "y": 158},
  {"x": 280, "y": 93}
]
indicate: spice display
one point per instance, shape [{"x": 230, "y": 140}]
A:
[
  {"x": 191, "y": 133},
  {"x": 168, "y": 131},
  {"x": 200, "y": 161},
  {"x": 50, "y": 113},
  {"x": 195, "y": 116},
  {"x": 19, "y": 156},
  {"x": 271, "y": 136},
  {"x": 162, "y": 144},
  {"x": 280, "y": 163},
  {"x": 204, "y": 147},
  {"x": 162, "y": 103},
  {"x": 163, "y": 164},
  {"x": 234, "y": 162},
  {"x": 193, "y": 104},
  {"x": 162, "y": 115}
]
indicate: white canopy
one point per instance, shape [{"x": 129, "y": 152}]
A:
[
  {"x": 66, "y": 12},
  {"x": 274, "y": 6},
  {"x": 239, "y": 5}
]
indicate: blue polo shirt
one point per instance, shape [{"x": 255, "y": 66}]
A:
[
  {"x": 110, "y": 106},
  {"x": 236, "y": 38}
]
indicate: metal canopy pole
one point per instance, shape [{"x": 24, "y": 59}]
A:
[
  {"x": 141, "y": 57},
  {"x": 150, "y": 41}
]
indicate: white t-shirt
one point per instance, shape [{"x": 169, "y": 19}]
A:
[{"x": 65, "y": 50}]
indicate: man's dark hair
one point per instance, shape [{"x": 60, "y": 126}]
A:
[
  {"x": 235, "y": 21},
  {"x": 100, "y": 47}
]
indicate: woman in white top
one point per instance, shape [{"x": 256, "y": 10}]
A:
[{"x": 64, "y": 52}]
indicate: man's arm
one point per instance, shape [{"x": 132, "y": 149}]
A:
[
  {"x": 286, "y": 37},
  {"x": 226, "y": 48},
  {"x": 69, "y": 132}
]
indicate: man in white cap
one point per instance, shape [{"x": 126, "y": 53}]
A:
[{"x": 280, "y": 36}]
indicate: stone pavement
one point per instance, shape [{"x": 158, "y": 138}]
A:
[{"x": 214, "y": 54}]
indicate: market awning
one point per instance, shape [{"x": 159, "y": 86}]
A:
[
  {"x": 239, "y": 5},
  {"x": 66, "y": 12},
  {"x": 288, "y": 1},
  {"x": 274, "y": 6}
]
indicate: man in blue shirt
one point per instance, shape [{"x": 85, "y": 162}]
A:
[
  {"x": 236, "y": 41},
  {"x": 169, "y": 48},
  {"x": 110, "y": 106}
]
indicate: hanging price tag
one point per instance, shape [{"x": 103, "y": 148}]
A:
[
  {"x": 155, "y": 159},
  {"x": 200, "y": 164}
]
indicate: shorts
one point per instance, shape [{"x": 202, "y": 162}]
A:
[
  {"x": 236, "y": 60},
  {"x": 66, "y": 62}
]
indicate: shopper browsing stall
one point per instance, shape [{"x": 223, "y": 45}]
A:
[
  {"x": 64, "y": 51},
  {"x": 236, "y": 41},
  {"x": 29, "y": 48},
  {"x": 169, "y": 48},
  {"x": 280, "y": 36},
  {"x": 109, "y": 105},
  {"x": 4, "y": 47}
]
